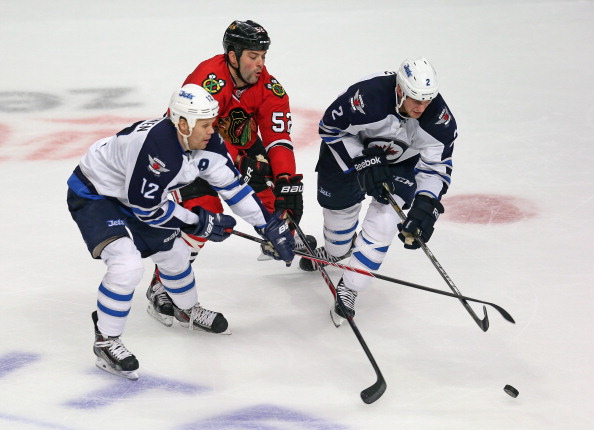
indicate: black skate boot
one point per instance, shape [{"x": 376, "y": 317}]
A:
[
  {"x": 199, "y": 318},
  {"x": 311, "y": 266},
  {"x": 300, "y": 246},
  {"x": 347, "y": 298},
  {"x": 160, "y": 306},
  {"x": 112, "y": 355}
]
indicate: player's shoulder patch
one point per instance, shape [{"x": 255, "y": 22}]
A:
[
  {"x": 213, "y": 84},
  {"x": 276, "y": 88}
]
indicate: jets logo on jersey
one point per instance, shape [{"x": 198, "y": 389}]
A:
[
  {"x": 276, "y": 88},
  {"x": 444, "y": 117},
  {"x": 157, "y": 166},
  {"x": 393, "y": 149},
  {"x": 212, "y": 84},
  {"x": 357, "y": 103}
]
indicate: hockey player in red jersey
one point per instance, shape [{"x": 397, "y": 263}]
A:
[{"x": 255, "y": 122}]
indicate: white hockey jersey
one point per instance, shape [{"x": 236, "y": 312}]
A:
[{"x": 142, "y": 164}]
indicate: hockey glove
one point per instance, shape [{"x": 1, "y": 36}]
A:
[
  {"x": 215, "y": 227},
  {"x": 420, "y": 220},
  {"x": 372, "y": 172},
  {"x": 289, "y": 196},
  {"x": 255, "y": 171},
  {"x": 278, "y": 233}
]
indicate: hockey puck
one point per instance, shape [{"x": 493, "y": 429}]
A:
[{"x": 511, "y": 391}]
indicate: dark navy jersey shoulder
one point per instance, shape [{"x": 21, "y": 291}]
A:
[
  {"x": 438, "y": 121},
  {"x": 367, "y": 101}
]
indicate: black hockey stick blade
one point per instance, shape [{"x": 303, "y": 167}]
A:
[{"x": 371, "y": 394}]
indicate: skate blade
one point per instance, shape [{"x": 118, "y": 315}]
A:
[
  {"x": 337, "y": 320},
  {"x": 128, "y": 374},
  {"x": 264, "y": 257},
  {"x": 194, "y": 328},
  {"x": 166, "y": 320}
]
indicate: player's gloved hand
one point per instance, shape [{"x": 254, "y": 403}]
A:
[
  {"x": 420, "y": 220},
  {"x": 372, "y": 172},
  {"x": 289, "y": 196},
  {"x": 215, "y": 227},
  {"x": 281, "y": 242},
  {"x": 257, "y": 170}
]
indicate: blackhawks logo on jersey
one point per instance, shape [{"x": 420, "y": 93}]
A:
[
  {"x": 212, "y": 84},
  {"x": 276, "y": 88},
  {"x": 237, "y": 127}
]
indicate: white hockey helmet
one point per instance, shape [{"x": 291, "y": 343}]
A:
[
  {"x": 192, "y": 102},
  {"x": 417, "y": 79}
]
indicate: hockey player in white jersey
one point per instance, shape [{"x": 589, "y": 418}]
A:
[
  {"x": 118, "y": 196},
  {"x": 392, "y": 128}
]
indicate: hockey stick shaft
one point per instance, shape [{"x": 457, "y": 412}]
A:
[
  {"x": 501, "y": 310},
  {"x": 375, "y": 391},
  {"x": 482, "y": 323}
]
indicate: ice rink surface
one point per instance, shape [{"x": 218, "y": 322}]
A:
[{"x": 517, "y": 230}]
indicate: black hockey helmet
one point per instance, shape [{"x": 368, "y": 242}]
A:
[{"x": 242, "y": 35}]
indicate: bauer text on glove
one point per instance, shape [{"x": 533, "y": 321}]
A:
[
  {"x": 255, "y": 170},
  {"x": 215, "y": 227},
  {"x": 288, "y": 191},
  {"x": 278, "y": 233}
]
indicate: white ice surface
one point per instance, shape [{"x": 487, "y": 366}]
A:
[{"x": 518, "y": 77}]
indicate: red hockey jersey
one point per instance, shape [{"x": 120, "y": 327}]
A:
[{"x": 261, "y": 108}]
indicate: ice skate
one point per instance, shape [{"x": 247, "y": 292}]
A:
[
  {"x": 300, "y": 246},
  {"x": 199, "y": 318},
  {"x": 311, "y": 266},
  {"x": 347, "y": 298},
  {"x": 160, "y": 306},
  {"x": 113, "y": 356}
]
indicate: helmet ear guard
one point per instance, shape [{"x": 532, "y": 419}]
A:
[{"x": 417, "y": 79}]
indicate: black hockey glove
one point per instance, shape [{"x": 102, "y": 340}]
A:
[
  {"x": 420, "y": 220},
  {"x": 372, "y": 172},
  {"x": 278, "y": 233},
  {"x": 289, "y": 196},
  {"x": 255, "y": 171},
  {"x": 215, "y": 227}
]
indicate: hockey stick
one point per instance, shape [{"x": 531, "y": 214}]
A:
[
  {"x": 484, "y": 323},
  {"x": 375, "y": 391},
  {"x": 502, "y": 311}
]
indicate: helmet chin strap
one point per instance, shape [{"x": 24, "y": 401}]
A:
[
  {"x": 236, "y": 69},
  {"x": 185, "y": 137},
  {"x": 399, "y": 105}
]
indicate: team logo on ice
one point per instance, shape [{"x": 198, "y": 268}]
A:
[
  {"x": 212, "y": 84},
  {"x": 157, "y": 166},
  {"x": 444, "y": 117},
  {"x": 276, "y": 88},
  {"x": 357, "y": 103}
]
